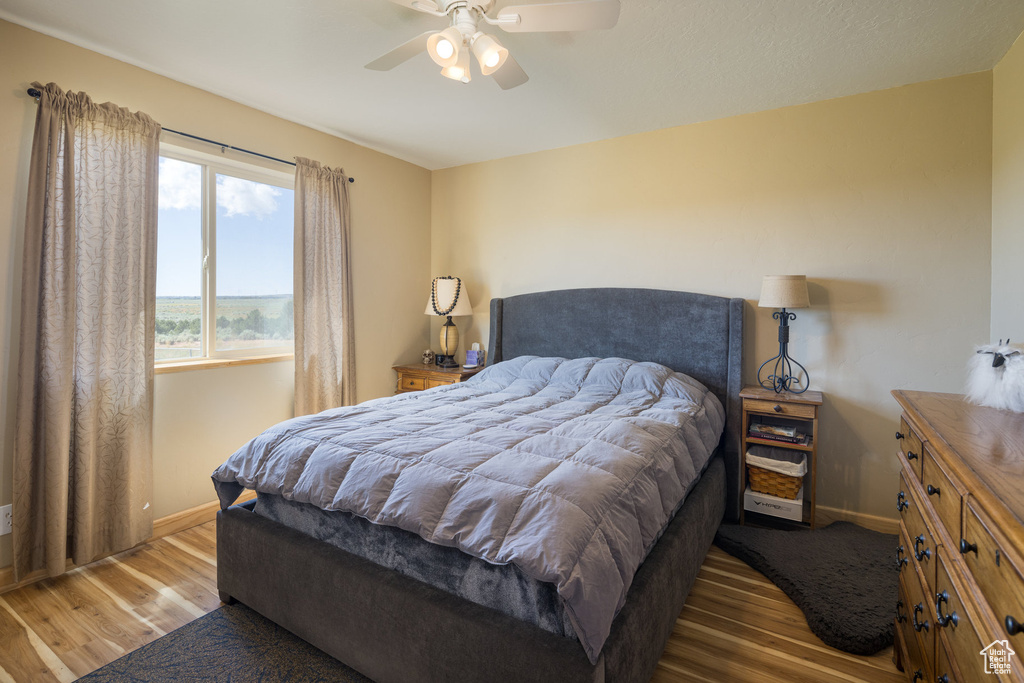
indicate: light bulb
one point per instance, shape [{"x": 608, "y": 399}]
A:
[
  {"x": 460, "y": 70},
  {"x": 444, "y": 48},
  {"x": 489, "y": 52}
]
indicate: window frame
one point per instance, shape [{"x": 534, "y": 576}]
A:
[{"x": 211, "y": 165}]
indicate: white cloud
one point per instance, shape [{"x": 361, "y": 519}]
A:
[
  {"x": 245, "y": 198},
  {"x": 181, "y": 187},
  {"x": 180, "y": 184}
]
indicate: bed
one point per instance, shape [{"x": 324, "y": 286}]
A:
[{"x": 392, "y": 628}]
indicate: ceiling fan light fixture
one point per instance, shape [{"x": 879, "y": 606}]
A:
[
  {"x": 460, "y": 70},
  {"x": 489, "y": 53},
  {"x": 445, "y": 47}
]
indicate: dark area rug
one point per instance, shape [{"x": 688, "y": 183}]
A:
[
  {"x": 843, "y": 577},
  {"x": 232, "y": 643}
]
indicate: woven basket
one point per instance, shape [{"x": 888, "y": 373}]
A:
[{"x": 773, "y": 483}]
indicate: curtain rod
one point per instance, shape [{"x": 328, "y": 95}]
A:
[{"x": 35, "y": 93}]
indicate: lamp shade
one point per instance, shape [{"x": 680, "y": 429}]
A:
[
  {"x": 784, "y": 291},
  {"x": 446, "y": 290}
]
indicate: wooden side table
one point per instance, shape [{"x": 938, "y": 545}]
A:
[
  {"x": 799, "y": 411},
  {"x": 419, "y": 377}
]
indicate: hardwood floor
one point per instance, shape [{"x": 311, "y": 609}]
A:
[{"x": 736, "y": 625}]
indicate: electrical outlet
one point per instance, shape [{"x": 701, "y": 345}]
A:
[{"x": 5, "y": 520}]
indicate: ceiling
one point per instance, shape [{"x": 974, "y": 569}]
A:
[{"x": 666, "y": 63}]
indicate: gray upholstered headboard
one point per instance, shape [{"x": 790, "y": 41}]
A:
[{"x": 697, "y": 334}]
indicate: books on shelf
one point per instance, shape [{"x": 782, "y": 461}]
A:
[
  {"x": 775, "y": 430},
  {"x": 780, "y": 433},
  {"x": 802, "y": 440}
]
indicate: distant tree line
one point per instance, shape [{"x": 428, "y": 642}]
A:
[{"x": 253, "y": 325}]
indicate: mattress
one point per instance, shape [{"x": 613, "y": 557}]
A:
[
  {"x": 501, "y": 587},
  {"x": 568, "y": 470}
]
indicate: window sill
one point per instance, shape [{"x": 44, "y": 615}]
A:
[{"x": 211, "y": 363}]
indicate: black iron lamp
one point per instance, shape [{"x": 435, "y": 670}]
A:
[
  {"x": 783, "y": 291},
  {"x": 447, "y": 298}
]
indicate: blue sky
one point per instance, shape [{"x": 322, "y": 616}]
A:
[{"x": 254, "y": 234}]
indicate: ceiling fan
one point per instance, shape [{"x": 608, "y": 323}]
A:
[{"x": 450, "y": 48}]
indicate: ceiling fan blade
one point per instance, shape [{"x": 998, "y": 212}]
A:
[
  {"x": 424, "y": 5},
  {"x": 582, "y": 15},
  {"x": 510, "y": 74},
  {"x": 403, "y": 52}
]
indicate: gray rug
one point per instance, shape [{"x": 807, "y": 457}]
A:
[
  {"x": 843, "y": 577},
  {"x": 230, "y": 644}
]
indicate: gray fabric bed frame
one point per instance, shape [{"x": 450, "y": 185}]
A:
[{"x": 396, "y": 630}]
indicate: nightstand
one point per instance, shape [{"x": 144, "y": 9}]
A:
[
  {"x": 787, "y": 414},
  {"x": 420, "y": 377}
]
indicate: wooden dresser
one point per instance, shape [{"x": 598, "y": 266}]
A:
[{"x": 961, "y": 548}]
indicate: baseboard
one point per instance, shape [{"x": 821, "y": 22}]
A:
[
  {"x": 165, "y": 526},
  {"x": 186, "y": 519},
  {"x": 826, "y": 515}
]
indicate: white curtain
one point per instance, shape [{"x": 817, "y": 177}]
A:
[
  {"x": 83, "y": 436},
  {"x": 324, "y": 347}
]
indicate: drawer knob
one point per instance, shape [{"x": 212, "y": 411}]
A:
[
  {"x": 901, "y": 502},
  {"x": 966, "y": 547},
  {"x": 950, "y": 619},
  {"x": 944, "y": 678},
  {"x": 900, "y": 560},
  {"x": 933, "y": 490},
  {"x": 899, "y": 436},
  {"x": 901, "y": 618},
  {"x": 919, "y": 625},
  {"x": 911, "y": 455},
  {"x": 1013, "y": 627},
  {"x": 919, "y": 553},
  {"x": 777, "y": 408},
  {"x": 918, "y": 676}
]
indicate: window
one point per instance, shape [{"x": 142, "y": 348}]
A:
[{"x": 224, "y": 258}]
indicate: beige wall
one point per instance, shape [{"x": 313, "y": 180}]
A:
[
  {"x": 1008, "y": 196},
  {"x": 201, "y": 416},
  {"x": 883, "y": 200}
]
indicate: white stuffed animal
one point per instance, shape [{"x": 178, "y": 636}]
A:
[{"x": 995, "y": 376}]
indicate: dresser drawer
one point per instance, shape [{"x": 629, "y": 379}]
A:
[
  {"x": 412, "y": 384},
  {"x": 785, "y": 409},
  {"x": 431, "y": 383},
  {"x": 913, "y": 664},
  {"x": 904, "y": 549},
  {"x": 965, "y": 630},
  {"x": 945, "y": 668},
  {"x": 922, "y": 542},
  {"x": 919, "y": 628},
  {"x": 996, "y": 570},
  {"x": 944, "y": 492},
  {"x": 910, "y": 443}
]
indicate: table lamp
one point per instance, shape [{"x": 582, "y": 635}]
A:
[
  {"x": 783, "y": 291},
  {"x": 447, "y": 298}
]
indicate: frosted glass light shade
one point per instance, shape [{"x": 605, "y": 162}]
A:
[
  {"x": 784, "y": 291},
  {"x": 459, "y": 71},
  {"x": 444, "y": 47},
  {"x": 445, "y": 295},
  {"x": 489, "y": 52}
]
